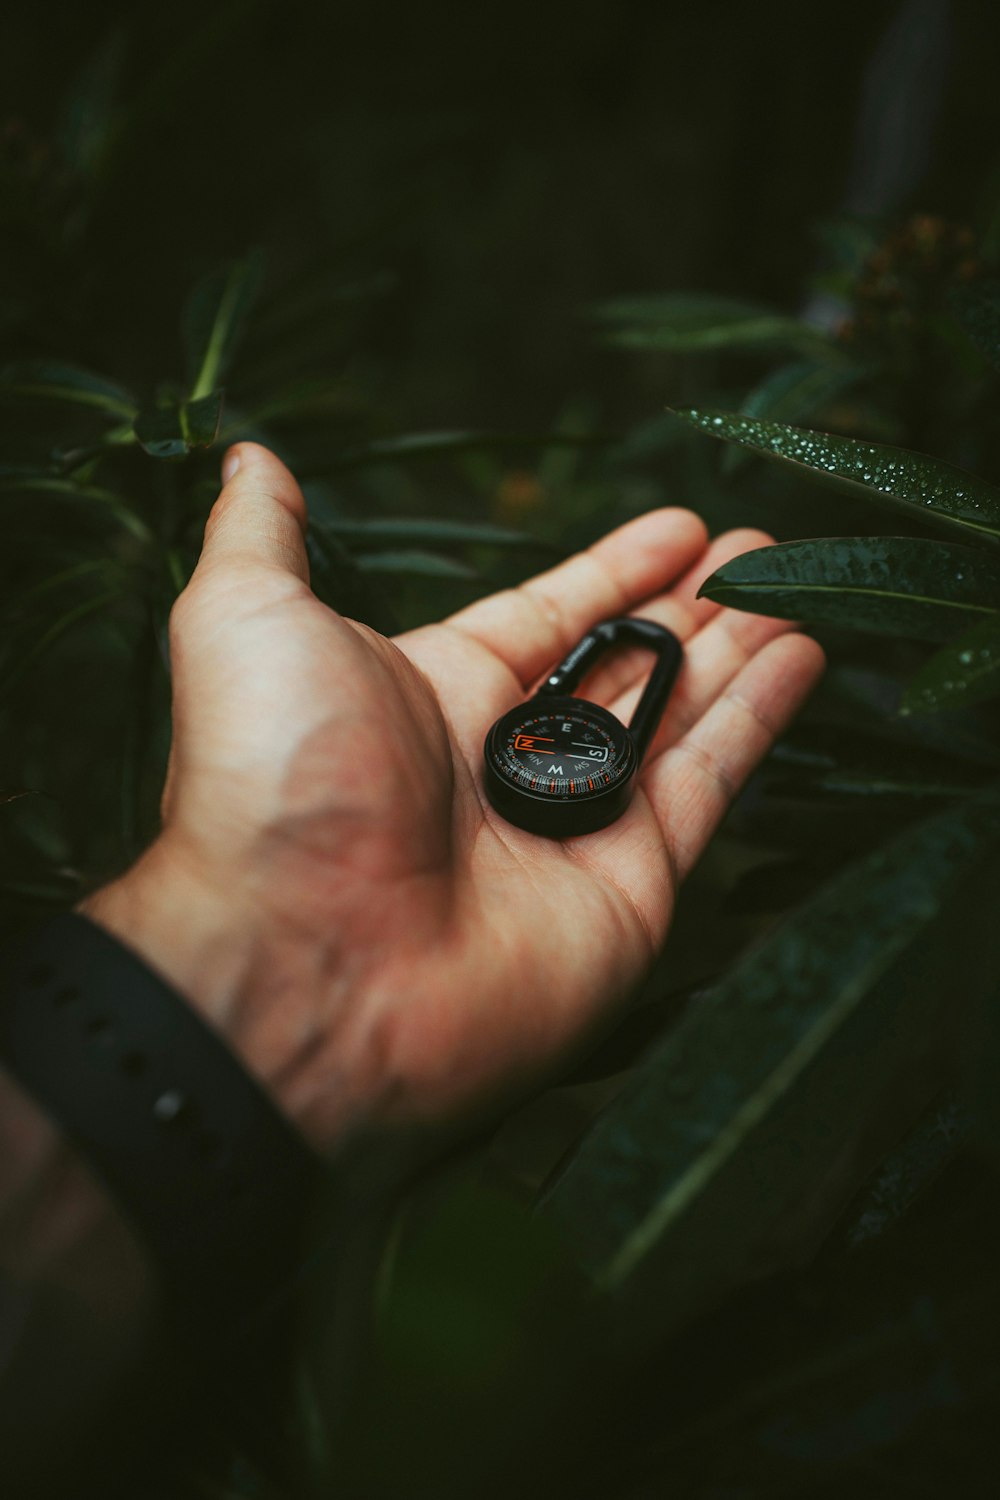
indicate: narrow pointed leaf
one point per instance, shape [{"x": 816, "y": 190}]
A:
[
  {"x": 427, "y": 529},
  {"x": 92, "y": 567},
  {"x": 431, "y": 444},
  {"x": 337, "y": 580},
  {"x": 416, "y": 562},
  {"x": 161, "y": 432},
  {"x": 841, "y": 761},
  {"x": 744, "y": 1135},
  {"x": 963, "y": 672},
  {"x": 798, "y": 389},
  {"x": 935, "y": 490},
  {"x": 66, "y": 489},
  {"x": 890, "y": 585},
  {"x": 200, "y": 420},
  {"x": 794, "y": 392},
  {"x": 215, "y": 318},
  {"x": 687, "y": 322},
  {"x": 47, "y": 380},
  {"x": 55, "y": 631},
  {"x": 907, "y": 1171}
]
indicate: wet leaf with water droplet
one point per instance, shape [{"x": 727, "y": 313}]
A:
[
  {"x": 739, "y": 1140},
  {"x": 965, "y": 671},
  {"x": 894, "y": 476},
  {"x": 891, "y": 585}
]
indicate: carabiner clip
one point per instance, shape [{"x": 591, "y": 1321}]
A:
[{"x": 558, "y": 765}]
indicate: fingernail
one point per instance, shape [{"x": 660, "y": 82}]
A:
[{"x": 230, "y": 464}]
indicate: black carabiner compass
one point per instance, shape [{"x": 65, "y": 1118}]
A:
[{"x": 558, "y": 765}]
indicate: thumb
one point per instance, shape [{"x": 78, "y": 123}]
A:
[{"x": 260, "y": 516}]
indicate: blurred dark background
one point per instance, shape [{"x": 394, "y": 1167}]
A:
[
  {"x": 442, "y": 194},
  {"x": 503, "y": 165}
]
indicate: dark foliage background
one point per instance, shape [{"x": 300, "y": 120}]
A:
[{"x": 470, "y": 255}]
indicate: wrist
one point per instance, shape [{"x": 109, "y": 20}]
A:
[
  {"x": 247, "y": 976},
  {"x": 181, "y": 926}
]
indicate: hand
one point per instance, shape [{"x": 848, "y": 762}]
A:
[{"x": 330, "y": 886}]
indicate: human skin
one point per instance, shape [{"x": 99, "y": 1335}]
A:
[{"x": 331, "y": 890}]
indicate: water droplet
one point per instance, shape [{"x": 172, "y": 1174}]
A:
[{"x": 965, "y": 656}]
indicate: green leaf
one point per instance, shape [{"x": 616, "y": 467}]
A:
[
  {"x": 977, "y": 307},
  {"x": 907, "y": 1171},
  {"x": 890, "y": 585},
  {"x": 49, "y": 380},
  {"x": 935, "y": 490},
  {"x": 65, "y": 489},
  {"x": 215, "y": 318},
  {"x": 686, "y": 322},
  {"x": 172, "y": 431},
  {"x": 798, "y": 389},
  {"x": 963, "y": 672},
  {"x": 322, "y": 396},
  {"x": 739, "y": 1141},
  {"x": 427, "y": 529},
  {"x": 414, "y": 561},
  {"x": 55, "y": 631},
  {"x": 791, "y": 393},
  {"x": 336, "y": 580},
  {"x": 841, "y": 761},
  {"x": 161, "y": 432},
  {"x": 93, "y": 567},
  {"x": 200, "y": 420},
  {"x": 432, "y": 444}
]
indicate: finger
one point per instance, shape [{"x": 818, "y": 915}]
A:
[
  {"x": 260, "y": 516},
  {"x": 679, "y": 610},
  {"x": 531, "y": 627},
  {"x": 692, "y": 784}
]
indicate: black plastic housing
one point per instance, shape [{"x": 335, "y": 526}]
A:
[{"x": 554, "y": 815}]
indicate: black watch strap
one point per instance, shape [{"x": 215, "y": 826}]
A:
[{"x": 213, "y": 1177}]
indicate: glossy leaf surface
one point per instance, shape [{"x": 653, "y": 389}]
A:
[
  {"x": 936, "y": 490},
  {"x": 890, "y": 585},
  {"x": 741, "y": 1136},
  {"x": 963, "y": 672}
]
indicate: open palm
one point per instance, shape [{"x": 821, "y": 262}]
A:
[{"x": 374, "y": 939}]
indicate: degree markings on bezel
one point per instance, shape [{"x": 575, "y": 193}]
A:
[{"x": 591, "y": 774}]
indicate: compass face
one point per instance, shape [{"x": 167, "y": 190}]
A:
[{"x": 566, "y": 749}]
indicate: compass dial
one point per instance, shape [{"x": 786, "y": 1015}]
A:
[
  {"x": 559, "y": 767},
  {"x": 565, "y": 753}
]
